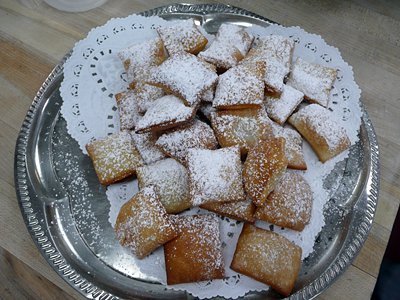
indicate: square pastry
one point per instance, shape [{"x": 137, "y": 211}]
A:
[
  {"x": 196, "y": 254},
  {"x": 318, "y": 126},
  {"x": 280, "y": 109},
  {"x": 242, "y": 127},
  {"x": 276, "y": 51},
  {"x": 139, "y": 58},
  {"x": 264, "y": 166},
  {"x": 235, "y": 35},
  {"x": 293, "y": 147},
  {"x": 222, "y": 55},
  {"x": 314, "y": 80},
  {"x": 143, "y": 225},
  {"x": 128, "y": 110},
  {"x": 171, "y": 181},
  {"x": 240, "y": 87},
  {"x": 182, "y": 35},
  {"x": 231, "y": 44},
  {"x": 185, "y": 76},
  {"x": 146, "y": 145},
  {"x": 215, "y": 175},
  {"x": 114, "y": 157},
  {"x": 177, "y": 142},
  {"x": 166, "y": 112},
  {"x": 238, "y": 210},
  {"x": 267, "y": 257},
  {"x": 289, "y": 204}
]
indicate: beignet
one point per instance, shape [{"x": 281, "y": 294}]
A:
[
  {"x": 114, "y": 157},
  {"x": 264, "y": 166},
  {"x": 325, "y": 135},
  {"x": 314, "y": 80},
  {"x": 171, "y": 182},
  {"x": 289, "y": 204},
  {"x": 196, "y": 254},
  {"x": 215, "y": 175},
  {"x": 143, "y": 224},
  {"x": 267, "y": 257}
]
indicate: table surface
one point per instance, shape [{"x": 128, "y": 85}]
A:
[{"x": 34, "y": 37}]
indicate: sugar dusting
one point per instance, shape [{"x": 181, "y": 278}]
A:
[
  {"x": 279, "y": 109},
  {"x": 165, "y": 110},
  {"x": 315, "y": 81},
  {"x": 182, "y": 35},
  {"x": 196, "y": 135},
  {"x": 146, "y": 145},
  {"x": 322, "y": 121},
  {"x": 324, "y": 168},
  {"x": 185, "y": 75},
  {"x": 215, "y": 175},
  {"x": 240, "y": 86}
]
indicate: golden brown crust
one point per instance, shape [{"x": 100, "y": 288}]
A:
[
  {"x": 244, "y": 127},
  {"x": 241, "y": 87},
  {"x": 264, "y": 166},
  {"x": 143, "y": 224},
  {"x": 215, "y": 175},
  {"x": 324, "y": 135},
  {"x": 166, "y": 112},
  {"x": 267, "y": 257},
  {"x": 177, "y": 142},
  {"x": 182, "y": 36},
  {"x": 195, "y": 255},
  {"x": 171, "y": 181},
  {"x": 289, "y": 205},
  {"x": 293, "y": 146},
  {"x": 114, "y": 157}
]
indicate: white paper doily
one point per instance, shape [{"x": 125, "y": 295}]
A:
[{"x": 93, "y": 74}]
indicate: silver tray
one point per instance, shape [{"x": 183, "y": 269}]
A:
[{"x": 54, "y": 202}]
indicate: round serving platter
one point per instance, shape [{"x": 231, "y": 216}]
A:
[{"x": 66, "y": 210}]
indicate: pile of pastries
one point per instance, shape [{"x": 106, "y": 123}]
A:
[{"x": 207, "y": 124}]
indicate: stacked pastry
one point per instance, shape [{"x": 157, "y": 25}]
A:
[{"x": 204, "y": 124}]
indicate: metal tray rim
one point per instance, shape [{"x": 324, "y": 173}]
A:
[{"x": 50, "y": 253}]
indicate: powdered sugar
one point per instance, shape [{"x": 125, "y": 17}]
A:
[
  {"x": 279, "y": 109},
  {"x": 171, "y": 181},
  {"x": 293, "y": 146},
  {"x": 167, "y": 111},
  {"x": 145, "y": 144},
  {"x": 240, "y": 86},
  {"x": 114, "y": 157},
  {"x": 276, "y": 51},
  {"x": 140, "y": 58},
  {"x": 289, "y": 205},
  {"x": 315, "y": 81},
  {"x": 232, "y": 286},
  {"x": 322, "y": 123},
  {"x": 197, "y": 250},
  {"x": 182, "y": 35},
  {"x": 243, "y": 127},
  {"x": 215, "y": 175},
  {"x": 235, "y": 35},
  {"x": 128, "y": 109},
  {"x": 146, "y": 94},
  {"x": 224, "y": 56},
  {"x": 143, "y": 224},
  {"x": 185, "y": 75},
  {"x": 196, "y": 135}
]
